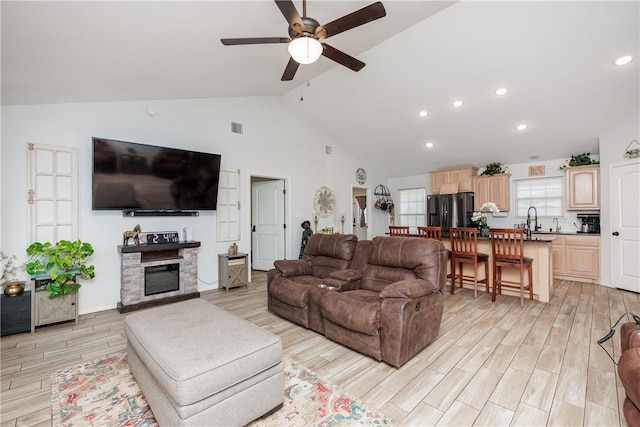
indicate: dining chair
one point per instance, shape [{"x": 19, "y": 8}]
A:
[
  {"x": 399, "y": 230},
  {"x": 507, "y": 248},
  {"x": 464, "y": 250}
]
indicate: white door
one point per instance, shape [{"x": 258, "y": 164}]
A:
[
  {"x": 625, "y": 226},
  {"x": 267, "y": 216}
]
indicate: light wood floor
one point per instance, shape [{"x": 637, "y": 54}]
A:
[{"x": 493, "y": 363}]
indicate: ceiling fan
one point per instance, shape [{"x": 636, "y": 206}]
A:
[{"x": 305, "y": 33}]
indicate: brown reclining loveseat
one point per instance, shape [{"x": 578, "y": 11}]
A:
[
  {"x": 293, "y": 291},
  {"x": 388, "y": 307}
]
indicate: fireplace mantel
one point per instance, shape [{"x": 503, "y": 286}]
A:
[
  {"x": 157, "y": 247},
  {"x": 138, "y": 260}
]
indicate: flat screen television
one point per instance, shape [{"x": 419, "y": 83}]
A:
[{"x": 132, "y": 176}]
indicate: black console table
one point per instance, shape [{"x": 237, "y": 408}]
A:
[{"x": 15, "y": 314}]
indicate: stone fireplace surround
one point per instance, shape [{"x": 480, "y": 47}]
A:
[{"x": 134, "y": 259}]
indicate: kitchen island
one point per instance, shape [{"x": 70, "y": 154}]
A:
[{"x": 538, "y": 248}]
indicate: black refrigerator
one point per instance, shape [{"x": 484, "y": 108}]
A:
[{"x": 450, "y": 210}]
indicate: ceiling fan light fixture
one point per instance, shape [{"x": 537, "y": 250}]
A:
[{"x": 305, "y": 50}]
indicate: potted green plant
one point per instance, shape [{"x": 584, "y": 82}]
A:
[
  {"x": 493, "y": 169},
  {"x": 61, "y": 262},
  {"x": 583, "y": 159}
]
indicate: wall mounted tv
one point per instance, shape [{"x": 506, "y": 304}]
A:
[{"x": 132, "y": 176}]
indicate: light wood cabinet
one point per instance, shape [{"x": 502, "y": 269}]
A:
[
  {"x": 46, "y": 311},
  {"x": 577, "y": 257},
  {"x": 462, "y": 176},
  {"x": 495, "y": 188},
  {"x": 583, "y": 256},
  {"x": 583, "y": 187},
  {"x": 233, "y": 270}
]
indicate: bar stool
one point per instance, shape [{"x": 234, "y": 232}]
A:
[
  {"x": 507, "y": 248},
  {"x": 435, "y": 233},
  {"x": 430, "y": 232},
  {"x": 399, "y": 230},
  {"x": 464, "y": 250}
]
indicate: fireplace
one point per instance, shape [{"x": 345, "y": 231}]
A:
[
  {"x": 159, "y": 279},
  {"x": 157, "y": 274}
]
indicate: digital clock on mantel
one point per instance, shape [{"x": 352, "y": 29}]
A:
[{"x": 159, "y": 237}]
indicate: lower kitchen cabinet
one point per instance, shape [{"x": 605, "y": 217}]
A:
[{"x": 577, "y": 258}]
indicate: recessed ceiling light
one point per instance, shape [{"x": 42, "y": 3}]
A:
[
  {"x": 521, "y": 126},
  {"x": 501, "y": 91},
  {"x": 457, "y": 103},
  {"x": 423, "y": 113},
  {"x": 429, "y": 144},
  {"x": 534, "y": 157},
  {"x": 624, "y": 60}
]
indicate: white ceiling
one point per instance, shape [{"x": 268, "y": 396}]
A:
[{"x": 556, "y": 59}]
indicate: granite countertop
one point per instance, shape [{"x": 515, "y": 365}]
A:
[{"x": 565, "y": 233}]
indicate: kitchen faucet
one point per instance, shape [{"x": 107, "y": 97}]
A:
[
  {"x": 555, "y": 221},
  {"x": 535, "y": 219}
]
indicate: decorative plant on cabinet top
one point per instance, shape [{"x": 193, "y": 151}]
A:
[
  {"x": 61, "y": 262},
  {"x": 493, "y": 169},
  {"x": 583, "y": 159}
]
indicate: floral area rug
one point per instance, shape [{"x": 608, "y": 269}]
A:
[{"x": 104, "y": 393}]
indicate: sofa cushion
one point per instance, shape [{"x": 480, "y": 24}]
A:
[
  {"x": 340, "y": 246},
  {"x": 377, "y": 277},
  {"x": 323, "y": 266},
  {"x": 357, "y": 310},
  {"x": 393, "y": 259},
  {"x": 415, "y": 288},
  {"x": 292, "y": 267},
  {"x": 289, "y": 292}
]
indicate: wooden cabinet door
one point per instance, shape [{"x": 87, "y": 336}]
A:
[
  {"x": 481, "y": 190},
  {"x": 492, "y": 189},
  {"x": 464, "y": 178},
  {"x": 437, "y": 179},
  {"x": 583, "y": 187},
  {"x": 583, "y": 256},
  {"x": 55, "y": 310},
  {"x": 499, "y": 191}
]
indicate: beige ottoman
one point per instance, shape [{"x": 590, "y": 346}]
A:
[{"x": 197, "y": 364}]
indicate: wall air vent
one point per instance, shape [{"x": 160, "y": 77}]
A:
[{"x": 237, "y": 128}]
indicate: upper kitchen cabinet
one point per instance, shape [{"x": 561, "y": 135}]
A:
[
  {"x": 494, "y": 188},
  {"x": 583, "y": 187},
  {"x": 462, "y": 176}
]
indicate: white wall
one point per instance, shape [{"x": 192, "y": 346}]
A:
[
  {"x": 277, "y": 142},
  {"x": 612, "y": 146}
]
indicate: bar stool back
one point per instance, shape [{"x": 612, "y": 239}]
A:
[
  {"x": 464, "y": 250},
  {"x": 507, "y": 248}
]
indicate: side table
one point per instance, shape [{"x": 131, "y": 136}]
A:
[
  {"x": 233, "y": 270},
  {"x": 15, "y": 314}
]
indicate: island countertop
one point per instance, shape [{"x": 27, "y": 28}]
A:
[{"x": 537, "y": 248}]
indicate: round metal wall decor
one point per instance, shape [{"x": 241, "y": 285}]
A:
[
  {"x": 324, "y": 202},
  {"x": 361, "y": 176}
]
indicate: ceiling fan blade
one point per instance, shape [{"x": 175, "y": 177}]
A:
[
  {"x": 359, "y": 17},
  {"x": 255, "y": 40},
  {"x": 342, "y": 58},
  {"x": 291, "y": 14},
  {"x": 290, "y": 70}
]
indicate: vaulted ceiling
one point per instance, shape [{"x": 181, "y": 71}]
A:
[{"x": 555, "y": 58}]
